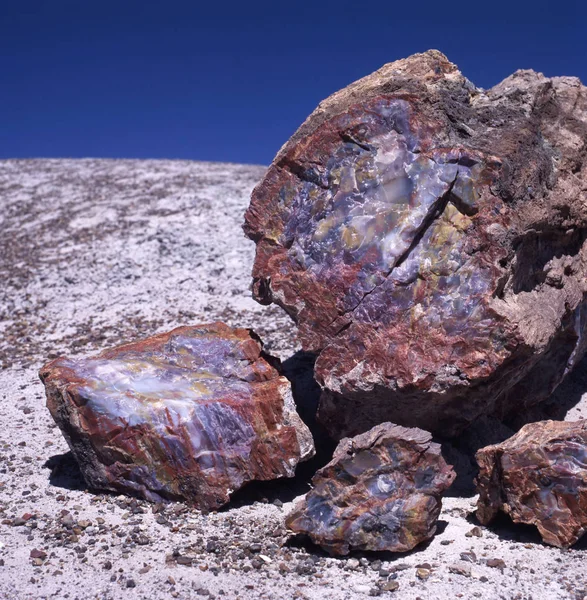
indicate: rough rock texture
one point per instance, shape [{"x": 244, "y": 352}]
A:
[
  {"x": 538, "y": 477},
  {"x": 95, "y": 252},
  {"x": 192, "y": 414},
  {"x": 429, "y": 239},
  {"x": 381, "y": 491}
]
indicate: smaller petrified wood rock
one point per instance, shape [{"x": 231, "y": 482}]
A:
[
  {"x": 192, "y": 415},
  {"x": 381, "y": 491},
  {"x": 538, "y": 477}
]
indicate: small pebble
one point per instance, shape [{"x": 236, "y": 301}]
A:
[
  {"x": 390, "y": 586},
  {"x": 496, "y": 563},
  {"x": 475, "y": 532},
  {"x": 463, "y": 569}
]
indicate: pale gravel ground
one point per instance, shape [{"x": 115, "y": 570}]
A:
[{"x": 97, "y": 252}]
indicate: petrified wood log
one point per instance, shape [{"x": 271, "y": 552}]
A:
[
  {"x": 191, "y": 415},
  {"x": 381, "y": 491},
  {"x": 538, "y": 477},
  {"x": 429, "y": 239}
]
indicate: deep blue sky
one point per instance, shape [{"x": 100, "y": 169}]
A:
[{"x": 231, "y": 81}]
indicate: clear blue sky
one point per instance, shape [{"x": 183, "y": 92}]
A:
[{"x": 231, "y": 81}]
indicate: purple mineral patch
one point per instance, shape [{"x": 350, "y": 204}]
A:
[
  {"x": 381, "y": 491},
  {"x": 192, "y": 414}
]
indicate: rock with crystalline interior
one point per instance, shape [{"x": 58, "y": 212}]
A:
[
  {"x": 192, "y": 415},
  {"x": 381, "y": 491},
  {"x": 429, "y": 239},
  {"x": 538, "y": 477}
]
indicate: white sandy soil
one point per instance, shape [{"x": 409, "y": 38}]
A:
[{"x": 94, "y": 253}]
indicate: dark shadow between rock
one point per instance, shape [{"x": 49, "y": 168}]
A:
[
  {"x": 509, "y": 531},
  {"x": 566, "y": 396},
  {"x": 299, "y": 370},
  {"x": 282, "y": 490},
  {"x": 65, "y": 472},
  {"x": 460, "y": 452}
]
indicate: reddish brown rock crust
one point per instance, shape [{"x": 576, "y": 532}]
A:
[
  {"x": 191, "y": 415},
  {"x": 429, "y": 239},
  {"x": 538, "y": 477},
  {"x": 381, "y": 491}
]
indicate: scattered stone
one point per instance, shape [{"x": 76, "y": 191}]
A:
[
  {"x": 375, "y": 565},
  {"x": 463, "y": 569},
  {"x": 475, "y": 532},
  {"x": 390, "y": 586},
  {"x": 538, "y": 477},
  {"x": 469, "y": 556},
  {"x": 496, "y": 563},
  {"x": 192, "y": 414},
  {"x": 423, "y": 573},
  {"x": 40, "y": 554},
  {"x": 381, "y": 491},
  {"x": 427, "y": 238},
  {"x": 352, "y": 564}
]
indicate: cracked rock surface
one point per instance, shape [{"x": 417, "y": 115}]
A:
[
  {"x": 381, "y": 491},
  {"x": 538, "y": 477},
  {"x": 191, "y": 415},
  {"x": 429, "y": 239}
]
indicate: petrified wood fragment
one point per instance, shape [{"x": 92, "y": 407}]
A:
[
  {"x": 381, "y": 491},
  {"x": 538, "y": 477},
  {"x": 429, "y": 239},
  {"x": 191, "y": 415}
]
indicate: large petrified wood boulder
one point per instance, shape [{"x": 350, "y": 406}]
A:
[
  {"x": 191, "y": 415},
  {"x": 429, "y": 239},
  {"x": 381, "y": 491},
  {"x": 538, "y": 477}
]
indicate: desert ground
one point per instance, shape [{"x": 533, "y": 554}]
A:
[{"x": 94, "y": 253}]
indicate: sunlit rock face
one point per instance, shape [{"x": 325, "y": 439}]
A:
[
  {"x": 538, "y": 477},
  {"x": 381, "y": 491},
  {"x": 190, "y": 415},
  {"x": 428, "y": 238}
]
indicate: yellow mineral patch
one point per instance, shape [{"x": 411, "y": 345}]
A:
[
  {"x": 200, "y": 387},
  {"x": 351, "y": 238},
  {"x": 323, "y": 228},
  {"x": 314, "y": 193},
  {"x": 335, "y": 176},
  {"x": 456, "y": 218},
  {"x": 348, "y": 184}
]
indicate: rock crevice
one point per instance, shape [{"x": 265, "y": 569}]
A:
[{"x": 408, "y": 257}]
